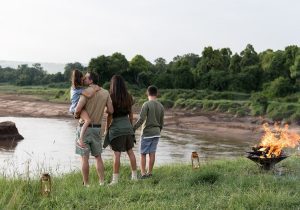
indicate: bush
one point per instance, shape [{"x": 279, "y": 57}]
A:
[
  {"x": 223, "y": 107},
  {"x": 241, "y": 112},
  {"x": 259, "y": 104},
  {"x": 208, "y": 105},
  {"x": 180, "y": 103},
  {"x": 167, "y": 103},
  {"x": 280, "y": 111},
  {"x": 59, "y": 93},
  {"x": 106, "y": 85},
  {"x": 296, "y": 117},
  {"x": 279, "y": 87},
  {"x": 257, "y": 110}
]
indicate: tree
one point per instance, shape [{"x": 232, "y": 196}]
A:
[
  {"x": 69, "y": 67},
  {"x": 290, "y": 54},
  {"x": 137, "y": 65},
  {"x": 182, "y": 75},
  {"x": 295, "y": 70},
  {"x": 100, "y": 66},
  {"x": 280, "y": 87},
  {"x": 160, "y": 65},
  {"x": 235, "y": 66},
  {"x": 117, "y": 64},
  {"x": 249, "y": 56}
]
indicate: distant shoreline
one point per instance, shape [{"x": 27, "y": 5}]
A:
[{"x": 209, "y": 124}]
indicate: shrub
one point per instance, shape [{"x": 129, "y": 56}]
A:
[
  {"x": 280, "y": 111},
  {"x": 180, "y": 103},
  {"x": 59, "y": 93},
  {"x": 241, "y": 112},
  {"x": 106, "y": 85},
  {"x": 208, "y": 105},
  {"x": 296, "y": 117},
  {"x": 167, "y": 103},
  {"x": 279, "y": 87}
]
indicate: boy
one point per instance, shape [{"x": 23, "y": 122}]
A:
[{"x": 152, "y": 118}]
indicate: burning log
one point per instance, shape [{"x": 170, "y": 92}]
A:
[{"x": 269, "y": 151}]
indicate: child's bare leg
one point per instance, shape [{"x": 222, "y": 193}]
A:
[
  {"x": 87, "y": 120},
  {"x": 143, "y": 164},
  {"x": 151, "y": 162}
]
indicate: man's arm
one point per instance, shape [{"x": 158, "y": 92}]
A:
[
  {"x": 108, "y": 122},
  {"x": 89, "y": 92},
  {"x": 142, "y": 117},
  {"x": 81, "y": 103}
]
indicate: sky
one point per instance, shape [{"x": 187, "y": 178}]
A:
[{"x": 64, "y": 31}]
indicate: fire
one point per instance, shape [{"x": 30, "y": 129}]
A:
[{"x": 274, "y": 140}]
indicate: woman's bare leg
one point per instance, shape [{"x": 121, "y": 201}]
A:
[{"x": 132, "y": 159}]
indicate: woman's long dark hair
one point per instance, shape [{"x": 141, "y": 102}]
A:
[
  {"x": 120, "y": 97},
  {"x": 76, "y": 78}
]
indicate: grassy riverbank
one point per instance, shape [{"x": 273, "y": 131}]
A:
[
  {"x": 235, "y": 103},
  {"x": 226, "y": 184}
]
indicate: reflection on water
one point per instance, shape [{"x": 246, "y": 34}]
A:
[{"x": 48, "y": 145}]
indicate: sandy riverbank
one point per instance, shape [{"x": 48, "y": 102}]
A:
[{"x": 209, "y": 124}]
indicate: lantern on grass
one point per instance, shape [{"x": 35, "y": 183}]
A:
[
  {"x": 46, "y": 184},
  {"x": 195, "y": 160}
]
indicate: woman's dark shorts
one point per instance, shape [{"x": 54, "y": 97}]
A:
[{"x": 122, "y": 143}]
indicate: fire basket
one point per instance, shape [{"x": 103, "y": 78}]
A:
[
  {"x": 269, "y": 152},
  {"x": 259, "y": 155}
]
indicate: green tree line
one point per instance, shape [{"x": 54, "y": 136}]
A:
[{"x": 277, "y": 73}]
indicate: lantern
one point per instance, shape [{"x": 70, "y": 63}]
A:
[
  {"x": 195, "y": 160},
  {"x": 46, "y": 184}
]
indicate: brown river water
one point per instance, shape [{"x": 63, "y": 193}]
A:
[{"x": 48, "y": 145}]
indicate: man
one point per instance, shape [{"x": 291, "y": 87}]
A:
[{"x": 92, "y": 139}]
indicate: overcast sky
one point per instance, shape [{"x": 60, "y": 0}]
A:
[{"x": 77, "y": 30}]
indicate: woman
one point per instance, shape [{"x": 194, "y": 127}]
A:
[{"x": 120, "y": 135}]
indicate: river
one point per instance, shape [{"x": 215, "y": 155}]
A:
[{"x": 48, "y": 145}]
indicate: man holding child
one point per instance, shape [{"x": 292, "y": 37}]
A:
[{"x": 151, "y": 119}]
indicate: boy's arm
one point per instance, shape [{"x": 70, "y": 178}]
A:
[
  {"x": 142, "y": 117},
  {"x": 162, "y": 119}
]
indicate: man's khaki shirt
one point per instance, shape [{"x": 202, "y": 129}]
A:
[{"x": 95, "y": 105}]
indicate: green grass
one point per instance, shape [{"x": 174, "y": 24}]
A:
[
  {"x": 222, "y": 184},
  {"x": 43, "y": 92}
]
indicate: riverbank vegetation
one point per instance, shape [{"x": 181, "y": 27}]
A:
[
  {"x": 234, "y": 103},
  {"x": 221, "y": 184},
  {"x": 248, "y": 83}
]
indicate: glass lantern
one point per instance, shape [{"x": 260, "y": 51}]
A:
[
  {"x": 46, "y": 184},
  {"x": 195, "y": 160}
]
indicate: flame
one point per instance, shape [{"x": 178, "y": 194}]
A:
[{"x": 274, "y": 140}]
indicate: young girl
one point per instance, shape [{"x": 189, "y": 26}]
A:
[{"x": 77, "y": 90}]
